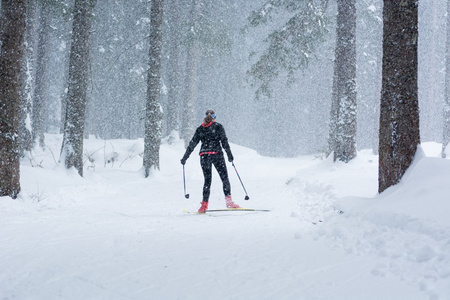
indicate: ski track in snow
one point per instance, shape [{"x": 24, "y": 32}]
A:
[{"x": 116, "y": 235}]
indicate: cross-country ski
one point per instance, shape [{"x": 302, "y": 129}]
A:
[{"x": 228, "y": 209}]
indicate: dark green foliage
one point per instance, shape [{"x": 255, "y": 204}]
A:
[{"x": 293, "y": 46}]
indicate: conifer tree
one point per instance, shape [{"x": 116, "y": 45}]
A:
[
  {"x": 153, "y": 120},
  {"x": 72, "y": 147},
  {"x": 12, "y": 32},
  {"x": 344, "y": 84},
  {"x": 399, "y": 109},
  {"x": 446, "y": 127}
]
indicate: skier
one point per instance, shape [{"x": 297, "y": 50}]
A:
[{"x": 213, "y": 138}]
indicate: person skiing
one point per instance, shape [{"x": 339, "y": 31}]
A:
[{"x": 213, "y": 138}]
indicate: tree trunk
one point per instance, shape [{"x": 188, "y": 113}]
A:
[
  {"x": 333, "y": 114},
  {"x": 12, "y": 26},
  {"x": 153, "y": 120},
  {"x": 72, "y": 148},
  {"x": 191, "y": 76},
  {"x": 345, "y": 94},
  {"x": 376, "y": 109},
  {"x": 446, "y": 127},
  {"x": 399, "y": 109},
  {"x": 41, "y": 82},
  {"x": 171, "y": 115},
  {"x": 25, "y": 137}
]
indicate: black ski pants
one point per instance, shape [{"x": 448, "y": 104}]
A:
[{"x": 206, "y": 161}]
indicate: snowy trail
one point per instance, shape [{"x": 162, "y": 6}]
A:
[{"x": 116, "y": 235}]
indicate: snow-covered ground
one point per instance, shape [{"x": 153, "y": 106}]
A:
[{"x": 116, "y": 235}]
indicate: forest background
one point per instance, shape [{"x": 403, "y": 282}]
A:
[
  {"x": 210, "y": 53},
  {"x": 278, "y": 126}
]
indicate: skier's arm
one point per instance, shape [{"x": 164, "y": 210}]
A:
[
  {"x": 225, "y": 145},
  {"x": 192, "y": 144}
]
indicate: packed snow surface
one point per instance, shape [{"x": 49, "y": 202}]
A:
[{"x": 114, "y": 234}]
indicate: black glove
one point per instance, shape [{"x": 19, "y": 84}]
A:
[
  {"x": 230, "y": 157},
  {"x": 183, "y": 161}
]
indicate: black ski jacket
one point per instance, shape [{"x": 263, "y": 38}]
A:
[{"x": 213, "y": 138}]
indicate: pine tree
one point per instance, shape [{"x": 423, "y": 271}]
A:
[
  {"x": 192, "y": 56},
  {"x": 153, "y": 120},
  {"x": 173, "y": 73},
  {"x": 446, "y": 127},
  {"x": 72, "y": 148},
  {"x": 399, "y": 109},
  {"x": 25, "y": 137},
  {"x": 344, "y": 83},
  {"x": 40, "y": 86},
  {"x": 12, "y": 26},
  {"x": 291, "y": 47}
]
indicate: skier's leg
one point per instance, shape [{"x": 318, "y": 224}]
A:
[
  {"x": 219, "y": 164},
  {"x": 205, "y": 162}
]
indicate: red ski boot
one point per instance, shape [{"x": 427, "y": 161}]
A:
[
  {"x": 230, "y": 203},
  {"x": 204, "y": 207}
]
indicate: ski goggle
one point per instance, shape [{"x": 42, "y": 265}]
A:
[{"x": 212, "y": 115}]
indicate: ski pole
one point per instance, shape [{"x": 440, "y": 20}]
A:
[
  {"x": 246, "y": 195},
  {"x": 184, "y": 182}
]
